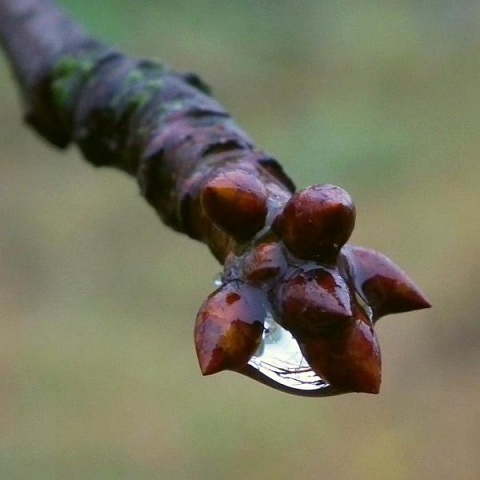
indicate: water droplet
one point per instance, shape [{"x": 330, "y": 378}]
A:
[
  {"x": 365, "y": 307},
  {"x": 279, "y": 359},
  {"x": 217, "y": 280}
]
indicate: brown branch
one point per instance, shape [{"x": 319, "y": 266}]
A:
[
  {"x": 285, "y": 260},
  {"x": 135, "y": 115}
]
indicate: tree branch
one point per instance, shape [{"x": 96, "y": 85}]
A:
[
  {"x": 135, "y": 115},
  {"x": 285, "y": 263}
]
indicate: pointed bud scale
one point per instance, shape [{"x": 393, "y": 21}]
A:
[
  {"x": 264, "y": 263},
  {"x": 382, "y": 284},
  {"x": 312, "y": 302},
  {"x": 348, "y": 359},
  {"x": 316, "y": 222},
  {"x": 229, "y": 327},
  {"x": 236, "y": 201}
]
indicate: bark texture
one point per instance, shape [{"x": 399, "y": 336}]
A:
[{"x": 139, "y": 116}]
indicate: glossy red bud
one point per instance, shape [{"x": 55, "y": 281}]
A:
[
  {"x": 316, "y": 222},
  {"x": 383, "y": 285},
  {"x": 348, "y": 359},
  {"x": 236, "y": 201},
  {"x": 312, "y": 302},
  {"x": 264, "y": 263},
  {"x": 229, "y": 327}
]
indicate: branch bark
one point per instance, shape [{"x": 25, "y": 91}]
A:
[{"x": 160, "y": 126}]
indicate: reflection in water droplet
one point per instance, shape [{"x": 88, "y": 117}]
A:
[{"x": 280, "y": 359}]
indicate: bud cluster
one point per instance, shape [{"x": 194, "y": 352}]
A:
[{"x": 298, "y": 269}]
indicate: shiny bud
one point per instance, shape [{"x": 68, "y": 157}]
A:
[
  {"x": 316, "y": 222},
  {"x": 264, "y": 263},
  {"x": 235, "y": 201},
  {"x": 381, "y": 283},
  {"x": 348, "y": 358},
  {"x": 229, "y": 327},
  {"x": 312, "y": 302}
]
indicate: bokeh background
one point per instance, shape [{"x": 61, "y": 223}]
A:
[{"x": 98, "y": 375}]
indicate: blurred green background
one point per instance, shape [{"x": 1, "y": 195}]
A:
[{"x": 98, "y": 375}]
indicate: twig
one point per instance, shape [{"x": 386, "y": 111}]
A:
[{"x": 283, "y": 253}]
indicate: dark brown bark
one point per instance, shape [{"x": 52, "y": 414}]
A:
[{"x": 160, "y": 126}]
